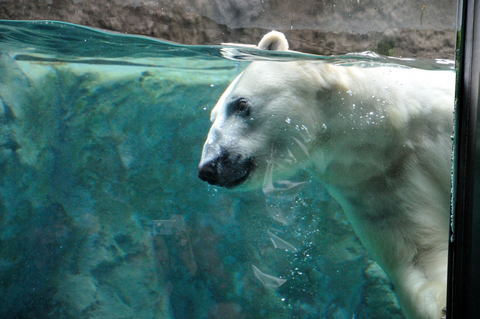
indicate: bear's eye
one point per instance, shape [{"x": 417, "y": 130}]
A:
[{"x": 242, "y": 107}]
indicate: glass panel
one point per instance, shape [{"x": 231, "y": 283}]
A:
[
  {"x": 103, "y": 214},
  {"x": 464, "y": 284}
]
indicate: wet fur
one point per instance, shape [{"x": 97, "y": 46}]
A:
[{"x": 379, "y": 139}]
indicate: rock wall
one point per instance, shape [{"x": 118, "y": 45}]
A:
[{"x": 418, "y": 28}]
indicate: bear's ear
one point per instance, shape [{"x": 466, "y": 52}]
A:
[{"x": 274, "y": 41}]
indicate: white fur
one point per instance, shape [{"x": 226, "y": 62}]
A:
[{"x": 379, "y": 138}]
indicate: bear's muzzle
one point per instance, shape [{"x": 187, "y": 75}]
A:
[{"x": 226, "y": 170}]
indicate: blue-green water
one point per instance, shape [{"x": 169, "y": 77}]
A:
[{"x": 101, "y": 211}]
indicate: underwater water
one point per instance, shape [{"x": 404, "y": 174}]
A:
[{"x": 102, "y": 214}]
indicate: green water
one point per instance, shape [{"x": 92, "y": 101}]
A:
[{"x": 101, "y": 211}]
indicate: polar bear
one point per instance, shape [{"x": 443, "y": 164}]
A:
[{"x": 379, "y": 138}]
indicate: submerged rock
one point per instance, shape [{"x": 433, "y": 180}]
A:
[{"x": 102, "y": 215}]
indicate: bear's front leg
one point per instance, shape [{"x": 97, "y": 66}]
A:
[{"x": 422, "y": 294}]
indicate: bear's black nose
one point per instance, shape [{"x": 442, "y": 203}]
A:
[{"x": 208, "y": 172}]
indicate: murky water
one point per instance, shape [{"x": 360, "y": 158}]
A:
[{"x": 102, "y": 214}]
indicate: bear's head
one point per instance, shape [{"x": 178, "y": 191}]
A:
[{"x": 261, "y": 126}]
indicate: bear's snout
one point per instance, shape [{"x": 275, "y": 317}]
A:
[
  {"x": 226, "y": 170},
  {"x": 208, "y": 172}
]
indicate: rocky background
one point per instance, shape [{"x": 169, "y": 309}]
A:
[{"x": 417, "y": 28}]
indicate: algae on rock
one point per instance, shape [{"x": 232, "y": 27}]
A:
[{"x": 102, "y": 215}]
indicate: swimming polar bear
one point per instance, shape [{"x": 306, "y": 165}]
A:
[{"x": 379, "y": 139}]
